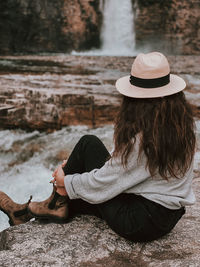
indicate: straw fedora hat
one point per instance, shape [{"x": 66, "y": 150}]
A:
[{"x": 150, "y": 77}]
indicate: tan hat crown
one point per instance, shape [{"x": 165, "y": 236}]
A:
[
  {"x": 150, "y": 77},
  {"x": 150, "y": 66}
]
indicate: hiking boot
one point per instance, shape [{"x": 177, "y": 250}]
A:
[
  {"x": 17, "y": 213},
  {"x": 54, "y": 208}
]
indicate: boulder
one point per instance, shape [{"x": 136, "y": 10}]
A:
[{"x": 87, "y": 241}]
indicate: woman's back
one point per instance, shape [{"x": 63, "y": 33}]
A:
[{"x": 166, "y": 129}]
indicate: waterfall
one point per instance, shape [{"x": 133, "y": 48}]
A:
[
  {"x": 118, "y": 27},
  {"x": 117, "y": 34}
]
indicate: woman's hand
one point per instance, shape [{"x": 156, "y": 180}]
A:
[
  {"x": 64, "y": 163},
  {"x": 58, "y": 175}
]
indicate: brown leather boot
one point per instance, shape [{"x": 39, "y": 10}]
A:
[
  {"x": 54, "y": 208},
  {"x": 17, "y": 213}
]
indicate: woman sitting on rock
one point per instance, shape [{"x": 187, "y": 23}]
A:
[{"x": 142, "y": 188}]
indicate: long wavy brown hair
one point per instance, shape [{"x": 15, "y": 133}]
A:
[{"x": 166, "y": 128}]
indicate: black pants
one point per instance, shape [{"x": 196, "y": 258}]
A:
[{"x": 131, "y": 216}]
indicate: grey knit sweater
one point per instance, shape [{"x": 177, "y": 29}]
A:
[{"x": 100, "y": 185}]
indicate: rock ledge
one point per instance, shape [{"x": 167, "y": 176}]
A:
[{"x": 88, "y": 241}]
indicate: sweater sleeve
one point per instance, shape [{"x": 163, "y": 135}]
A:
[{"x": 102, "y": 184}]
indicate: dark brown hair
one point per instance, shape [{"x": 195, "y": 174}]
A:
[{"x": 166, "y": 127}]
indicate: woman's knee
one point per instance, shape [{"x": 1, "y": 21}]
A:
[{"x": 87, "y": 138}]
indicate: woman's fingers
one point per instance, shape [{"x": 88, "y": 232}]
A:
[
  {"x": 58, "y": 169},
  {"x": 64, "y": 162},
  {"x": 55, "y": 172},
  {"x": 53, "y": 181}
]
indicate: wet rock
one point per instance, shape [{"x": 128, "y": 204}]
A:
[
  {"x": 62, "y": 155},
  {"x": 4, "y": 109},
  {"x": 75, "y": 90},
  {"x": 23, "y": 152}
]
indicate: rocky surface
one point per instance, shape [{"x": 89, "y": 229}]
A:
[
  {"x": 170, "y": 26},
  {"x": 49, "y": 92},
  {"x": 87, "y": 241},
  {"x": 49, "y": 26}
]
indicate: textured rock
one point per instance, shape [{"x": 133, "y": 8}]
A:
[
  {"x": 64, "y": 25},
  {"x": 87, "y": 241},
  {"x": 170, "y": 26},
  {"x": 48, "y": 92},
  {"x": 48, "y": 26}
]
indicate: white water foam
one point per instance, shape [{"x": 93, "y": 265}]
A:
[{"x": 30, "y": 175}]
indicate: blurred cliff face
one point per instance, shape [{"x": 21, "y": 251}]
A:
[
  {"x": 48, "y": 26},
  {"x": 171, "y": 26},
  {"x": 28, "y": 26}
]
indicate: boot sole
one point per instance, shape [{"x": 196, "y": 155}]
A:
[{"x": 52, "y": 218}]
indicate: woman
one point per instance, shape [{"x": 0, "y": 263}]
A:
[{"x": 142, "y": 188}]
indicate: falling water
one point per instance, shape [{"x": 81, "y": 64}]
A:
[
  {"x": 118, "y": 27},
  {"x": 117, "y": 34}
]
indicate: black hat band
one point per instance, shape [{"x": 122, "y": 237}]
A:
[{"x": 150, "y": 83}]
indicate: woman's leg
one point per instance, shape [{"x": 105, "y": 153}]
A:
[
  {"x": 124, "y": 214},
  {"x": 129, "y": 215},
  {"x": 137, "y": 218},
  {"x": 88, "y": 154}
]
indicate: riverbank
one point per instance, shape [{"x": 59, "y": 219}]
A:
[
  {"x": 50, "y": 92},
  {"x": 87, "y": 241},
  {"x": 38, "y": 85}
]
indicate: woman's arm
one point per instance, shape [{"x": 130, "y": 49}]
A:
[{"x": 100, "y": 185}]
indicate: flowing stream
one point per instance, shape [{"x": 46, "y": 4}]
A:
[{"x": 28, "y": 159}]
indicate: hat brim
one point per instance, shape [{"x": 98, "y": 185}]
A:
[{"x": 175, "y": 85}]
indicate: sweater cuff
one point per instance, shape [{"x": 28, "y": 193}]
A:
[{"x": 68, "y": 181}]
